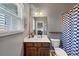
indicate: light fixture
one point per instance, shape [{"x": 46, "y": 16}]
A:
[
  {"x": 38, "y": 12},
  {"x": 41, "y": 13}
]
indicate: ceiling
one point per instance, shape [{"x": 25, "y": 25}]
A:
[{"x": 53, "y": 9}]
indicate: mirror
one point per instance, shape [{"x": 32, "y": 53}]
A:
[{"x": 40, "y": 25}]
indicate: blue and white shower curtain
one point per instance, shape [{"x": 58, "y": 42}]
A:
[{"x": 70, "y": 34}]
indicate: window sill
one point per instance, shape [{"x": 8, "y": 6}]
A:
[{"x": 10, "y": 33}]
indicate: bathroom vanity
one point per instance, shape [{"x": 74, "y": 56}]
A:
[{"x": 37, "y": 46}]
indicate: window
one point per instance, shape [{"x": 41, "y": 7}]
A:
[
  {"x": 9, "y": 19},
  {"x": 10, "y": 7}
]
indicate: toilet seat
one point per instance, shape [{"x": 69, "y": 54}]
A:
[{"x": 60, "y": 52}]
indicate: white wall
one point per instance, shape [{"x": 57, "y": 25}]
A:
[
  {"x": 11, "y": 45},
  {"x": 28, "y": 17},
  {"x": 54, "y": 24}
]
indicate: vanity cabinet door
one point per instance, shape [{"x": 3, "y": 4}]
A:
[
  {"x": 31, "y": 51},
  {"x": 43, "y": 51}
]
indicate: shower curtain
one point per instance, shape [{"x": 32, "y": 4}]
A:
[{"x": 70, "y": 33}]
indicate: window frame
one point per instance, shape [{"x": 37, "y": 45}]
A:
[{"x": 18, "y": 18}]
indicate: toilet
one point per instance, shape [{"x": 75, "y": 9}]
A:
[{"x": 58, "y": 51}]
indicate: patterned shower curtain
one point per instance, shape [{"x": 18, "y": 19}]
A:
[{"x": 70, "y": 34}]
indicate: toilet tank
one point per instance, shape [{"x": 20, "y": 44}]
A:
[{"x": 55, "y": 43}]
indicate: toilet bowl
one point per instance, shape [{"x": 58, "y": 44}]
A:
[{"x": 58, "y": 51}]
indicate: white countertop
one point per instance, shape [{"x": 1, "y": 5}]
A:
[{"x": 37, "y": 39}]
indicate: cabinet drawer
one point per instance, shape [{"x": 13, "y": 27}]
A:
[
  {"x": 29, "y": 44},
  {"x": 37, "y": 44},
  {"x": 46, "y": 44}
]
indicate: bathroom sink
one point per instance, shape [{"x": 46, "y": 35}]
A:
[{"x": 37, "y": 39}]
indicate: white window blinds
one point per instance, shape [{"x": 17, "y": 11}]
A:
[
  {"x": 10, "y": 21},
  {"x": 10, "y": 7},
  {"x": 2, "y": 22}
]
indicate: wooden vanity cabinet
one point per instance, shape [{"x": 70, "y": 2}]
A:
[{"x": 36, "y": 48}]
